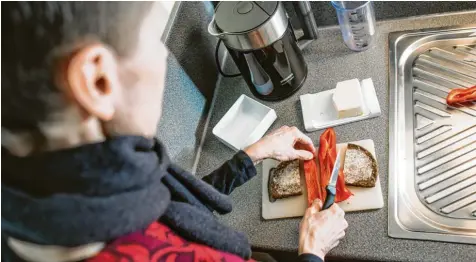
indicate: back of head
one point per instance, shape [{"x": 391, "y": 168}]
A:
[{"x": 37, "y": 34}]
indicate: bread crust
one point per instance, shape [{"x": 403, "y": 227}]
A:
[
  {"x": 363, "y": 181},
  {"x": 279, "y": 175}
]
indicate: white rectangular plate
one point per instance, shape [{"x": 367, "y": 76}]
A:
[
  {"x": 363, "y": 198},
  {"x": 318, "y": 111}
]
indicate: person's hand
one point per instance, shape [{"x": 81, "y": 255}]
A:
[
  {"x": 320, "y": 231},
  {"x": 283, "y": 144}
]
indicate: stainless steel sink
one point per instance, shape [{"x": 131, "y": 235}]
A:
[{"x": 432, "y": 177}]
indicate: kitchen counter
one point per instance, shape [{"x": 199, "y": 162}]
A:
[{"x": 330, "y": 61}]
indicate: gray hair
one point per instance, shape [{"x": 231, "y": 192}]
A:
[{"x": 35, "y": 34}]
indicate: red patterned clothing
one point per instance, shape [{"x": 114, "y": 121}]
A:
[{"x": 158, "y": 243}]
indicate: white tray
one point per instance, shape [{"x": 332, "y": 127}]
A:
[
  {"x": 318, "y": 111},
  {"x": 244, "y": 123}
]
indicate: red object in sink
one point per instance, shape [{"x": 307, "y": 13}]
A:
[
  {"x": 461, "y": 95},
  {"x": 316, "y": 184}
]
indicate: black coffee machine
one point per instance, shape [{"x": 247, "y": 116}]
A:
[{"x": 261, "y": 41}]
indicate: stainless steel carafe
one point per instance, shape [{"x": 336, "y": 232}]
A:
[{"x": 262, "y": 43}]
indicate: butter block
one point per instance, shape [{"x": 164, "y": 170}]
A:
[{"x": 347, "y": 98}]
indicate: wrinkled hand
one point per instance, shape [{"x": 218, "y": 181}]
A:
[
  {"x": 320, "y": 231},
  {"x": 283, "y": 144}
]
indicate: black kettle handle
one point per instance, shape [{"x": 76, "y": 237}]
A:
[{"x": 307, "y": 21}]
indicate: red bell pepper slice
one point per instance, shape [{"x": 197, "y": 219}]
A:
[
  {"x": 316, "y": 186},
  {"x": 342, "y": 192},
  {"x": 461, "y": 95},
  {"x": 312, "y": 183}
]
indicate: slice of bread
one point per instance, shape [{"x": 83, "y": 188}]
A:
[
  {"x": 284, "y": 180},
  {"x": 360, "y": 167}
]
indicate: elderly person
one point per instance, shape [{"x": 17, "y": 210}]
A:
[{"x": 83, "y": 178}]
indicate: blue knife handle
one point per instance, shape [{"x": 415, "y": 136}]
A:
[{"x": 331, "y": 194}]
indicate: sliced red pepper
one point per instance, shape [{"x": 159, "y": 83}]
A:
[
  {"x": 327, "y": 152},
  {"x": 461, "y": 95},
  {"x": 312, "y": 183},
  {"x": 327, "y": 156},
  {"x": 342, "y": 192}
]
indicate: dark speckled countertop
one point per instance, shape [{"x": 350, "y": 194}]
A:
[{"x": 330, "y": 61}]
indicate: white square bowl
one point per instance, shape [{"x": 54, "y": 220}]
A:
[{"x": 244, "y": 123}]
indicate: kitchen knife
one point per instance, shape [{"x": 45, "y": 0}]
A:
[{"x": 331, "y": 187}]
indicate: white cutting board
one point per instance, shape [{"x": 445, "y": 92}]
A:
[{"x": 363, "y": 198}]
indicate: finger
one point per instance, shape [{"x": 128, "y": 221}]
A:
[
  {"x": 345, "y": 224},
  {"x": 286, "y": 156},
  {"x": 317, "y": 204},
  {"x": 298, "y": 145},
  {"x": 303, "y": 155},
  {"x": 305, "y": 141},
  {"x": 301, "y": 225},
  {"x": 335, "y": 209},
  {"x": 335, "y": 244},
  {"x": 341, "y": 235},
  {"x": 310, "y": 211}
]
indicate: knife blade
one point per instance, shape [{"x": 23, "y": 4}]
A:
[{"x": 331, "y": 187}]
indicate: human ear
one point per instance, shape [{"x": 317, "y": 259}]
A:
[{"x": 91, "y": 77}]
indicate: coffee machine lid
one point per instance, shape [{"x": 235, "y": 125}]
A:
[{"x": 242, "y": 16}]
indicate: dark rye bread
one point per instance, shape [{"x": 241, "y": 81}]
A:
[
  {"x": 284, "y": 181},
  {"x": 360, "y": 167}
]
